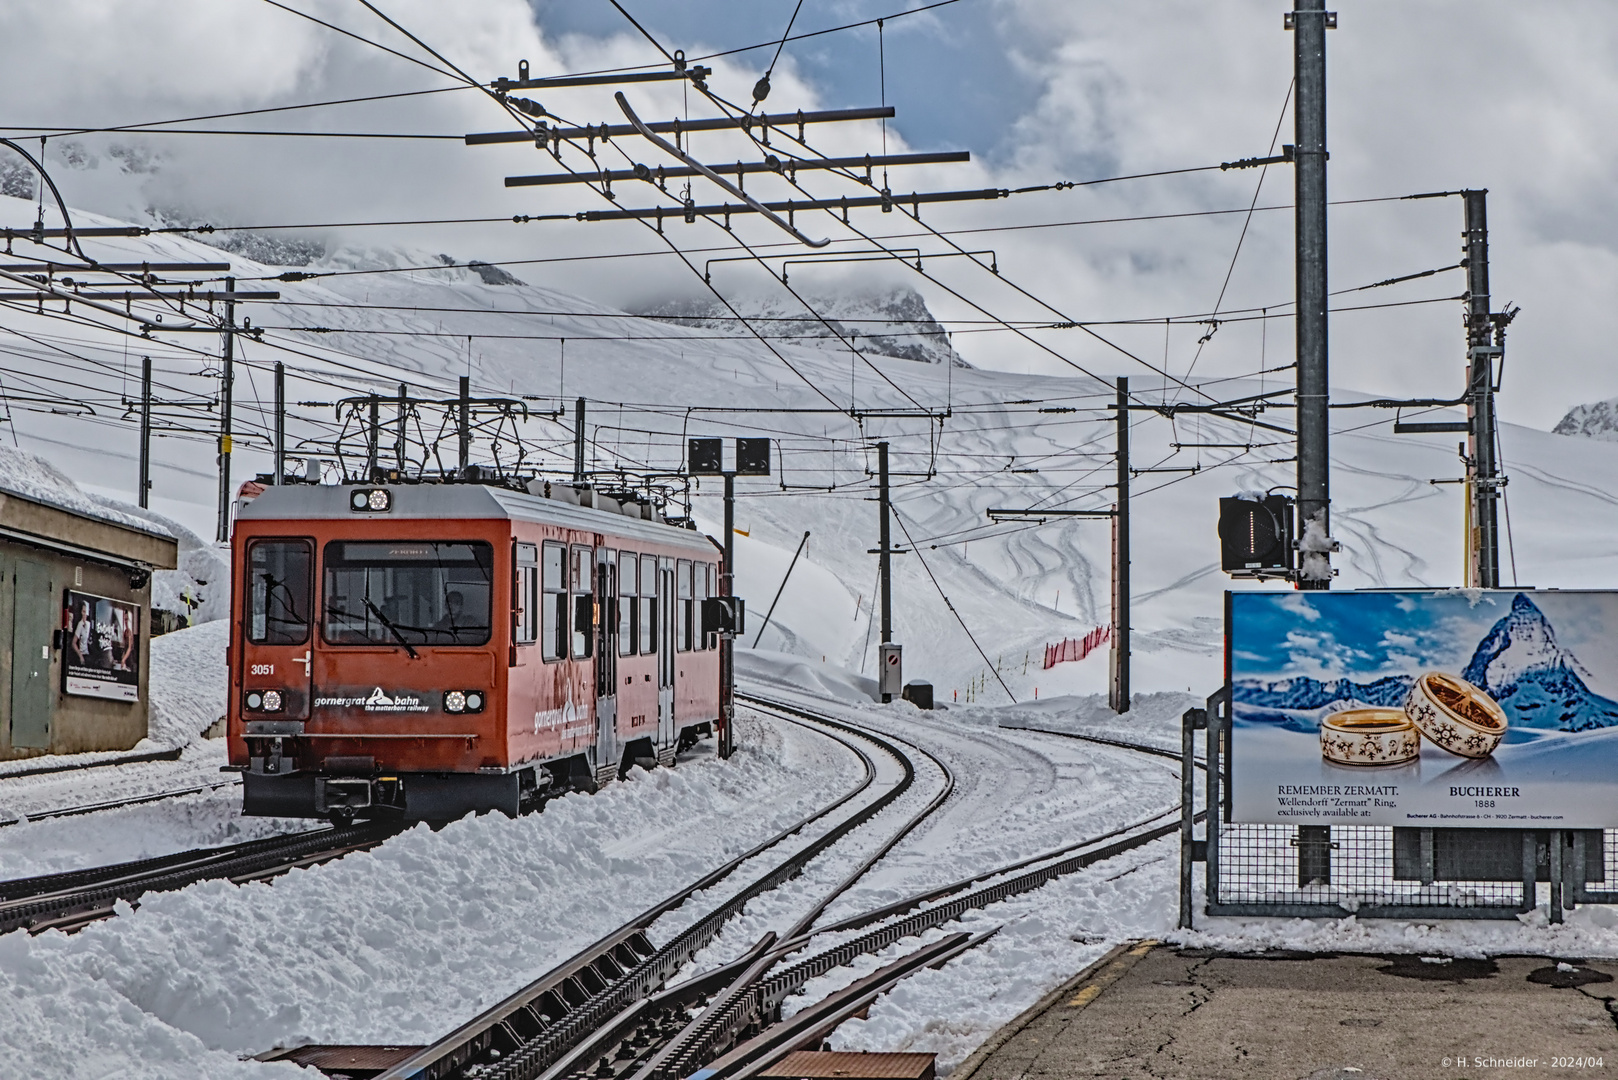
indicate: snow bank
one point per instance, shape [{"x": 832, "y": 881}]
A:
[
  {"x": 188, "y": 684},
  {"x": 820, "y": 680},
  {"x": 397, "y": 944},
  {"x": 29, "y": 476}
]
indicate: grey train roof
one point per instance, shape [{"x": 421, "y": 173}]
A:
[{"x": 416, "y": 502}]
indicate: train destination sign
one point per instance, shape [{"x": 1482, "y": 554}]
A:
[{"x": 1451, "y": 709}]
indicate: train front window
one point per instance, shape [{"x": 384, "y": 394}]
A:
[
  {"x": 278, "y": 592},
  {"x": 408, "y": 592}
]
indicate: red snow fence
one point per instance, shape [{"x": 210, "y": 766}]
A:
[{"x": 1077, "y": 648}]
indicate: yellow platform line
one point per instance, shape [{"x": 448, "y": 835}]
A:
[{"x": 1110, "y": 974}]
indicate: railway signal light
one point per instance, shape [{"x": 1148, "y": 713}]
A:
[
  {"x": 752, "y": 457},
  {"x": 724, "y": 615},
  {"x": 704, "y": 456},
  {"x": 1256, "y": 536}
]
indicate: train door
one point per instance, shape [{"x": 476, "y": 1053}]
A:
[
  {"x": 606, "y": 658},
  {"x": 277, "y": 630},
  {"x": 666, "y": 730}
]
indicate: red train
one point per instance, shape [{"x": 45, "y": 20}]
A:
[{"x": 425, "y": 650}]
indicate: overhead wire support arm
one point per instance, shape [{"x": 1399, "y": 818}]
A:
[
  {"x": 670, "y": 148},
  {"x": 766, "y": 121},
  {"x": 795, "y": 205},
  {"x": 770, "y": 165},
  {"x": 1285, "y": 157},
  {"x": 503, "y": 85}
]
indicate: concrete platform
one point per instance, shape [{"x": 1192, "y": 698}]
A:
[{"x": 1156, "y": 1011}]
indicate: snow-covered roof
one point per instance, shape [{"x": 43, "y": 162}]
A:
[{"x": 28, "y": 476}]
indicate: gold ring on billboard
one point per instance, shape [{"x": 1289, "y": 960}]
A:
[
  {"x": 1455, "y": 715},
  {"x": 1369, "y": 737}
]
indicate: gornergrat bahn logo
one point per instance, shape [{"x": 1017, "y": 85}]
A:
[{"x": 375, "y": 702}]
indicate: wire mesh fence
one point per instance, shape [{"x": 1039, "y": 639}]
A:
[{"x": 1351, "y": 866}]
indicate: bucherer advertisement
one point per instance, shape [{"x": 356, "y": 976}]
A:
[
  {"x": 1456, "y": 708},
  {"x": 101, "y": 654}
]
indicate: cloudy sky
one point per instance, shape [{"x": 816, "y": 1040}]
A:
[{"x": 1437, "y": 96}]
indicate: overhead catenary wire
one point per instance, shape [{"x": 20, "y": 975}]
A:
[{"x": 899, "y": 519}]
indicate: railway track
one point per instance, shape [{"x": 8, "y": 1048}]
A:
[
  {"x": 552, "y": 1025},
  {"x": 71, "y": 900},
  {"x": 624, "y": 1009},
  {"x": 118, "y": 804}
]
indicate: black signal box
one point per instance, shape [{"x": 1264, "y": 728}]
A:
[
  {"x": 1256, "y": 536},
  {"x": 752, "y": 457},
  {"x": 705, "y": 456}
]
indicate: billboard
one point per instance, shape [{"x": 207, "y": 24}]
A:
[
  {"x": 1450, "y": 709},
  {"x": 101, "y": 653}
]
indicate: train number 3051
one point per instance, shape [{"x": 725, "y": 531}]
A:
[{"x": 262, "y": 669}]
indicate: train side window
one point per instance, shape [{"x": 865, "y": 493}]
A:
[
  {"x": 628, "y": 614},
  {"x": 553, "y": 609},
  {"x": 703, "y": 589},
  {"x": 682, "y": 593},
  {"x": 525, "y": 614},
  {"x": 648, "y": 604},
  {"x": 278, "y": 606},
  {"x": 583, "y": 602}
]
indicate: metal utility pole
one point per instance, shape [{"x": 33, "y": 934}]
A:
[
  {"x": 464, "y": 423},
  {"x": 578, "y": 451},
  {"x": 227, "y": 378},
  {"x": 399, "y": 432},
  {"x": 1118, "y": 685},
  {"x": 727, "y": 587},
  {"x": 373, "y": 438},
  {"x": 145, "y": 431},
  {"x": 280, "y": 423},
  {"x": 1482, "y": 467},
  {"x": 884, "y": 547},
  {"x": 1308, "y": 24}
]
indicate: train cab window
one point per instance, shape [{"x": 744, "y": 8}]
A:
[
  {"x": 525, "y": 610},
  {"x": 278, "y": 594},
  {"x": 648, "y": 604},
  {"x": 416, "y": 592},
  {"x": 583, "y": 602},
  {"x": 628, "y": 615},
  {"x": 553, "y": 602},
  {"x": 683, "y": 594}
]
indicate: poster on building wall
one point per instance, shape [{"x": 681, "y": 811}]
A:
[
  {"x": 101, "y": 647},
  {"x": 1447, "y": 709}
]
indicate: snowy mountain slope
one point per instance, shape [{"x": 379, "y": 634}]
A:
[
  {"x": 1539, "y": 683},
  {"x": 1016, "y": 587},
  {"x": 1593, "y": 420},
  {"x": 883, "y": 321}
]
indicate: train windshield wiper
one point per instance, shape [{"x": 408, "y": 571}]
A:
[{"x": 392, "y": 629}]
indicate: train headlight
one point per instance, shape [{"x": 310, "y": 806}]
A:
[
  {"x": 264, "y": 700},
  {"x": 371, "y": 500},
  {"x": 454, "y": 702}
]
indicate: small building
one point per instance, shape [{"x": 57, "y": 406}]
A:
[{"x": 75, "y": 614}]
